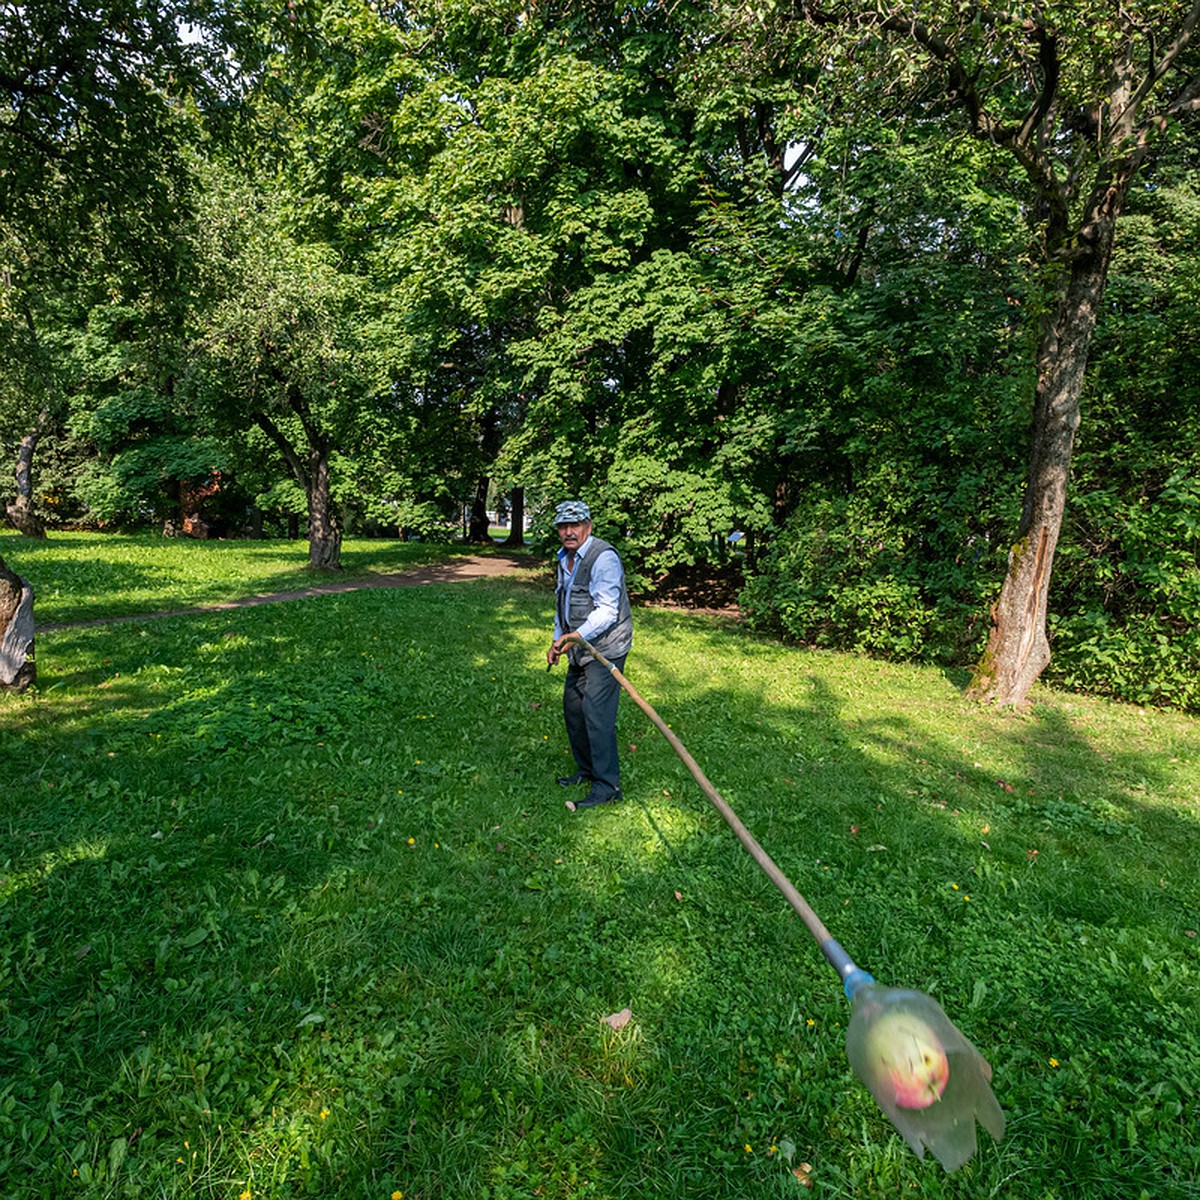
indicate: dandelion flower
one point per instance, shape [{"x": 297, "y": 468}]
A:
[
  {"x": 747, "y": 1148},
  {"x": 324, "y": 1113},
  {"x": 1054, "y": 1062}
]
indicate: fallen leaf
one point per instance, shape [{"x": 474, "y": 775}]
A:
[
  {"x": 1190, "y": 932},
  {"x": 853, "y": 829},
  {"x": 804, "y": 1174},
  {"x": 678, "y": 895},
  {"x": 618, "y": 1020}
]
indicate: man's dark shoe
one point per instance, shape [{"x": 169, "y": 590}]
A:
[
  {"x": 594, "y": 797},
  {"x": 571, "y": 780}
]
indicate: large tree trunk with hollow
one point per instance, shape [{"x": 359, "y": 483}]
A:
[
  {"x": 17, "y": 669},
  {"x": 22, "y": 513},
  {"x": 1018, "y": 649}
]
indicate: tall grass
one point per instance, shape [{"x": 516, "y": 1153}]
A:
[{"x": 290, "y": 905}]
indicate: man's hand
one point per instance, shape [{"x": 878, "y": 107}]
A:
[{"x": 559, "y": 647}]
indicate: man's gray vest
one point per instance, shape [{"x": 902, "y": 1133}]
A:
[{"x": 575, "y": 605}]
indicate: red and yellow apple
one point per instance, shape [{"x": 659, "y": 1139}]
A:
[{"x": 903, "y": 1051}]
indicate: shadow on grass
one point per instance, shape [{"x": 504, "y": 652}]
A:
[{"x": 295, "y": 894}]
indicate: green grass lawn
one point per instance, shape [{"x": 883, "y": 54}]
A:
[
  {"x": 79, "y": 576},
  {"x": 290, "y": 906}
]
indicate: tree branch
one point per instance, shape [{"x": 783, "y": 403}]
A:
[
  {"x": 285, "y": 447},
  {"x": 1170, "y": 53},
  {"x": 964, "y": 92}
]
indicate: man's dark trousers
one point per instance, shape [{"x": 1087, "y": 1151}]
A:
[{"x": 590, "y": 698}]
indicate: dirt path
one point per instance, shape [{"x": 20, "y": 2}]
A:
[{"x": 456, "y": 570}]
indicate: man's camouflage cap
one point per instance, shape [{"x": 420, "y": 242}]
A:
[{"x": 569, "y": 512}]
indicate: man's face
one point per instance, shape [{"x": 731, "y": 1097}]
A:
[{"x": 573, "y": 534}]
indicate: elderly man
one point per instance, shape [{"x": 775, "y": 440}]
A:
[{"x": 592, "y": 601}]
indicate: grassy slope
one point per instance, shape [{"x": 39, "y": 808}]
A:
[{"x": 289, "y": 905}]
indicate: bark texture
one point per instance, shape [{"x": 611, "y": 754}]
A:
[
  {"x": 17, "y": 668},
  {"x": 324, "y": 532},
  {"x": 516, "y": 527},
  {"x": 1018, "y": 649},
  {"x": 22, "y": 513},
  {"x": 313, "y": 475}
]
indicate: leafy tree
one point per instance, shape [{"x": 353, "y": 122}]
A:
[
  {"x": 1127, "y": 586},
  {"x": 281, "y": 346},
  {"x": 28, "y": 393},
  {"x": 906, "y": 353},
  {"x": 147, "y": 452},
  {"x": 1082, "y": 100},
  {"x": 491, "y": 169},
  {"x": 90, "y": 183}
]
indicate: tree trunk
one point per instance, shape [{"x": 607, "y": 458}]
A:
[
  {"x": 324, "y": 533},
  {"x": 516, "y": 531},
  {"x": 21, "y": 512},
  {"x": 17, "y": 668},
  {"x": 1018, "y": 649},
  {"x": 477, "y": 531}
]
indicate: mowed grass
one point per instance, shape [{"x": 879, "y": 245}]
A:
[
  {"x": 290, "y": 906},
  {"x": 86, "y": 576}
]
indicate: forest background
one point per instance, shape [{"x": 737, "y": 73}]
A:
[{"x": 867, "y": 287}]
